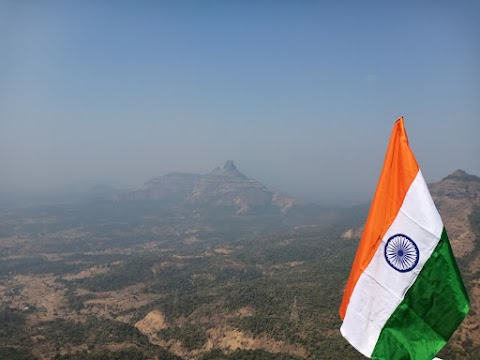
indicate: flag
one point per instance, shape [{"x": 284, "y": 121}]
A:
[{"x": 404, "y": 297}]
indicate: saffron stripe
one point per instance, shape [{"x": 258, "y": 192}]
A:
[{"x": 399, "y": 170}]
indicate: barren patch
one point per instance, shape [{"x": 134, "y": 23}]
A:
[
  {"x": 223, "y": 251},
  {"x": 38, "y": 292},
  {"x": 190, "y": 240},
  {"x": 106, "y": 302},
  {"x": 245, "y": 311},
  {"x": 152, "y": 323},
  {"x": 232, "y": 339}
]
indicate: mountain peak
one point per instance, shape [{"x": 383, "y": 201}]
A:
[
  {"x": 223, "y": 188},
  {"x": 229, "y": 169},
  {"x": 461, "y": 175},
  {"x": 229, "y": 165}
]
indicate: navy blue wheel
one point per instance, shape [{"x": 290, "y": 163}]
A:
[{"x": 401, "y": 253}]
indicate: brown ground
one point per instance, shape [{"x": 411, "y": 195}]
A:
[
  {"x": 220, "y": 337},
  {"x": 223, "y": 251},
  {"x": 458, "y": 227},
  {"x": 107, "y": 303},
  {"x": 190, "y": 240},
  {"x": 232, "y": 339},
  {"x": 152, "y": 323},
  {"x": 41, "y": 292},
  {"x": 245, "y": 312}
]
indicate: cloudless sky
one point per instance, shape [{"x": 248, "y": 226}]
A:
[{"x": 301, "y": 94}]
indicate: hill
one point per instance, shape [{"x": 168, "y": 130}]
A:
[
  {"x": 223, "y": 188},
  {"x": 456, "y": 197}
]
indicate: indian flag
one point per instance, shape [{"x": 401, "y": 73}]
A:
[{"x": 404, "y": 297}]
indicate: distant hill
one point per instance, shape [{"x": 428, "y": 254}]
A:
[
  {"x": 456, "y": 196},
  {"x": 223, "y": 188}
]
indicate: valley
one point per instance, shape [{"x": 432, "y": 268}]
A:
[{"x": 140, "y": 278}]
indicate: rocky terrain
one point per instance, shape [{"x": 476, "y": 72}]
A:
[{"x": 201, "y": 267}]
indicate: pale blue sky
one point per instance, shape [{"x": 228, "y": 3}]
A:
[{"x": 301, "y": 94}]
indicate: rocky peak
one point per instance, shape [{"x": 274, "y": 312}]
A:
[
  {"x": 229, "y": 169},
  {"x": 225, "y": 188},
  {"x": 458, "y": 185},
  {"x": 461, "y": 175},
  {"x": 229, "y": 165}
]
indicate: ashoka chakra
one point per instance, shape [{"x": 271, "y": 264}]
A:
[{"x": 401, "y": 253}]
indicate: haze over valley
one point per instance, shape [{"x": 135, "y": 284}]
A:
[{"x": 188, "y": 266}]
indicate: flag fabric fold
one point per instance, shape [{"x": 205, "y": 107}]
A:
[{"x": 404, "y": 297}]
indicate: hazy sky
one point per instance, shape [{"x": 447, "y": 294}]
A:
[{"x": 301, "y": 94}]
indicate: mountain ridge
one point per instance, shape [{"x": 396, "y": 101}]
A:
[{"x": 226, "y": 188}]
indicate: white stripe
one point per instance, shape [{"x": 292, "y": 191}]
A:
[{"x": 381, "y": 288}]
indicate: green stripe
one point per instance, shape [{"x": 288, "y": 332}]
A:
[{"x": 432, "y": 309}]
